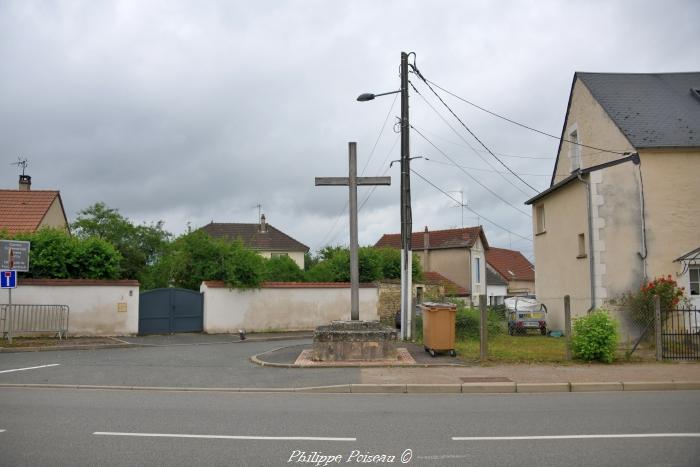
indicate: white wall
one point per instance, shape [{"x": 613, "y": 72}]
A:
[
  {"x": 93, "y": 304},
  {"x": 285, "y": 307}
]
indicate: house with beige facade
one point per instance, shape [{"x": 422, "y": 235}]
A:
[
  {"x": 25, "y": 210},
  {"x": 623, "y": 206},
  {"x": 457, "y": 254},
  {"x": 262, "y": 237}
]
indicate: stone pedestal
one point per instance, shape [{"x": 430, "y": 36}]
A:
[{"x": 354, "y": 340}]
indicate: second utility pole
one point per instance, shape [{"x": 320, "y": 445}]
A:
[{"x": 408, "y": 312}]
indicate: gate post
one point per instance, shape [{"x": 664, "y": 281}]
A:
[
  {"x": 483, "y": 329},
  {"x": 567, "y": 325},
  {"x": 657, "y": 323}
]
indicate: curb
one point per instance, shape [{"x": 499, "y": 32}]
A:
[
  {"x": 464, "y": 388},
  {"x": 127, "y": 345},
  {"x": 68, "y": 347},
  {"x": 256, "y": 359}
]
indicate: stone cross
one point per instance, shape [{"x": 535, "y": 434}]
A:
[{"x": 353, "y": 181}]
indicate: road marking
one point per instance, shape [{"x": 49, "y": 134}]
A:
[
  {"x": 264, "y": 438},
  {"x": 2, "y": 431},
  {"x": 29, "y": 368},
  {"x": 600, "y": 436}
]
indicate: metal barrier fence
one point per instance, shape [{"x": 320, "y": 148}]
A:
[
  {"x": 20, "y": 319},
  {"x": 680, "y": 334}
]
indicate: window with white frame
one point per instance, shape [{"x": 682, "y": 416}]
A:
[
  {"x": 477, "y": 270},
  {"x": 574, "y": 151},
  {"x": 539, "y": 215},
  {"x": 694, "y": 272},
  {"x": 279, "y": 255}
]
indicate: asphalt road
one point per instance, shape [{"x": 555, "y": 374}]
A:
[
  {"x": 59, "y": 426},
  {"x": 210, "y": 365}
]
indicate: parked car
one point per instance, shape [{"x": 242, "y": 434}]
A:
[{"x": 525, "y": 313}]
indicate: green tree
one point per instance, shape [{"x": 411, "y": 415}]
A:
[
  {"x": 55, "y": 254},
  {"x": 196, "y": 257},
  {"x": 374, "y": 264},
  {"x": 140, "y": 246},
  {"x": 282, "y": 269}
]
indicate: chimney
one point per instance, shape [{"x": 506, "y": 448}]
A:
[
  {"x": 426, "y": 250},
  {"x": 263, "y": 224},
  {"x": 25, "y": 183}
]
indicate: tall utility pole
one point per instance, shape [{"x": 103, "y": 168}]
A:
[{"x": 408, "y": 312}]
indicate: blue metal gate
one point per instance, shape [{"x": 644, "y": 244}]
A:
[{"x": 170, "y": 310}]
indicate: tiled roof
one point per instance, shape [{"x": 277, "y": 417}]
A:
[
  {"x": 493, "y": 278},
  {"x": 23, "y": 211},
  {"x": 452, "y": 238},
  {"x": 435, "y": 278},
  {"x": 651, "y": 109},
  {"x": 270, "y": 240},
  {"x": 295, "y": 285},
  {"x": 510, "y": 264},
  {"x": 79, "y": 282}
]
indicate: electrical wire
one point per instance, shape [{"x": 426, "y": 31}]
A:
[
  {"x": 486, "y": 170},
  {"x": 470, "y": 209},
  {"x": 465, "y": 141},
  {"x": 379, "y": 136},
  {"x": 420, "y": 75},
  {"x": 470, "y": 175},
  {"x": 522, "y": 125}
]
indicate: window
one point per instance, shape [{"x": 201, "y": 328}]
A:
[
  {"x": 581, "y": 246},
  {"x": 574, "y": 151},
  {"x": 539, "y": 214},
  {"x": 694, "y": 280},
  {"x": 477, "y": 270},
  {"x": 278, "y": 255}
]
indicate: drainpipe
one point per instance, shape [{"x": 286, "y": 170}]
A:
[
  {"x": 591, "y": 261},
  {"x": 642, "y": 254}
]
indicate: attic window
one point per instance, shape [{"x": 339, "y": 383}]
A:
[{"x": 695, "y": 92}]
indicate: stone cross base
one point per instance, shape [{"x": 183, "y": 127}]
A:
[{"x": 354, "y": 340}]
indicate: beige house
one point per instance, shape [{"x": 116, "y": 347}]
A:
[
  {"x": 457, "y": 254},
  {"x": 27, "y": 210},
  {"x": 263, "y": 238},
  {"x": 623, "y": 206}
]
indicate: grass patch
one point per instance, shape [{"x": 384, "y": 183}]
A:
[{"x": 515, "y": 349}]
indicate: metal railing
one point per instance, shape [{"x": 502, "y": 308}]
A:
[
  {"x": 680, "y": 334},
  {"x": 21, "y": 319}
]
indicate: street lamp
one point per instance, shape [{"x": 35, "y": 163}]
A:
[{"x": 407, "y": 311}]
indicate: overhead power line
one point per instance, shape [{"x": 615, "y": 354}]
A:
[
  {"x": 467, "y": 142},
  {"x": 486, "y": 170},
  {"x": 522, "y": 125},
  {"x": 470, "y": 209},
  {"x": 468, "y": 174},
  {"x": 420, "y": 75}
]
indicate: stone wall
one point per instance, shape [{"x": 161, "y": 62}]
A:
[{"x": 389, "y": 301}]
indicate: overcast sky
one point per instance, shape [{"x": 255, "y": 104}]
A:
[{"x": 189, "y": 112}]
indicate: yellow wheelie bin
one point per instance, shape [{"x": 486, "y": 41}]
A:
[{"x": 439, "y": 327}]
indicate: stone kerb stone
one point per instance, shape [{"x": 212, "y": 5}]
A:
[{"x": 354, "y": 340}]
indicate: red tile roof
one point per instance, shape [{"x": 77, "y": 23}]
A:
[
  {"x": 510, "y": 264},
  {"x": 430, "y": 277},
  {"x": 295, "y": 285},
  {"x": 79, "y": 282},
  {"x": 23, "y": 211},
  {"x": 452, "y": 238}
]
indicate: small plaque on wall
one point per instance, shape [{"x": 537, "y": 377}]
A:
[{"x": 121, "y": 307}]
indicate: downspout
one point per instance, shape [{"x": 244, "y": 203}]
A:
[
  {"x": 591, "y": 261},
  {"x": 642, "y": 254}
]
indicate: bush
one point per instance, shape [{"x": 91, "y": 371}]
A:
[
  {"x": 282, "y": 269},
  {"x": 595, "y": 337},
  {"x": 55, "y": 254}
]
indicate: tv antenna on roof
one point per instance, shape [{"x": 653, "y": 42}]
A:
[
  {"x": 21, "y": 162},
  {"x": 259, "y": 206}
]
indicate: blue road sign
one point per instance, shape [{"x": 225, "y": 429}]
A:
[{"x": 8, "y": 279}]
